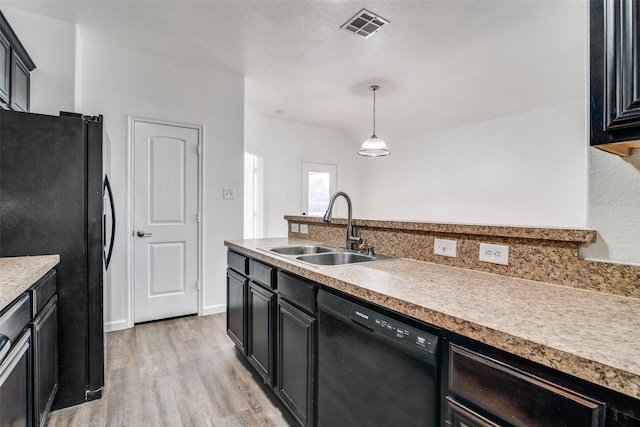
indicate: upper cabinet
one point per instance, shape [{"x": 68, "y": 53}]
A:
[
  {"x": 615, "y": 75},
  {"x": 15, "y": 66}
]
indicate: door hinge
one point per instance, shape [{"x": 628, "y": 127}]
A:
[
  {"x": 198, "y": 217},
  {"x": 198, "y": 149},
  {"x": 198, "y": 286}
]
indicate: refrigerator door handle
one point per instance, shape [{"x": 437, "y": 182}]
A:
[{"x": 106, "y": 189}]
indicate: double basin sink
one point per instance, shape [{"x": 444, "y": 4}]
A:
[{"x": 321, "y": 255}]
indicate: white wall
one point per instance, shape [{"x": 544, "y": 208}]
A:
[
  {"x": 283, "y": 145},
  {"x": 527, "y": 169},
  {"x": 51, "y": 44},
  {"x": 117, "y": 82},
  {"x": 614, "y": 207},
  {"x": 76, "y": 66}
]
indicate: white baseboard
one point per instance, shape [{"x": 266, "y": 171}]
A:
[
  {"x": 214, "y": 309},
  {"x": 116, "y": 325}
]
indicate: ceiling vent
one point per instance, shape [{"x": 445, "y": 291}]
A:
[{"x": 364, "y": 23}]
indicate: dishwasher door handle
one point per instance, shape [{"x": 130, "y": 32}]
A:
[{"x": 362, "y": 325}]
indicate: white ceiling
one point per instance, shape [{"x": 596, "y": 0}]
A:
[{"x": 440, "y": 64}]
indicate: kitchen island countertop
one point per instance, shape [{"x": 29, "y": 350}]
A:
[
  {"x": 587, "y": 334},
  {"x": 17, "y": 274}
]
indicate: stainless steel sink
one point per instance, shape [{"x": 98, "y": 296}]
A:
[
  {"x": 324, "y": 255},
  {"x": 301, "y": 250},
  {"x": 336, "y": 258}
]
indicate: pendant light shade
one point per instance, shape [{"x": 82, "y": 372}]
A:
[{"x": 374, "y": 146}]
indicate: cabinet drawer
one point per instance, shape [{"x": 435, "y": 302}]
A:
[
  {"x": 238, "y": 262},
  {"x": 516, "y": 396},
  {"x": 262, "y": 273},
  {"x": 298, "y": 291},
  {"x": 42, "y": 291}
]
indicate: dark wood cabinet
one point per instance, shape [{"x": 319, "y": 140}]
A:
[
  {"x": 15, "y": 70},
  {"x": 260, "y": 339},
  {"x": 20, "y": 85},
  {"x": 615, "y": 75},
  {"x": 296, "y": 361},
  {"x": 236, "y": 308},
  {"x": 513, "y": 396},
  {"x": 297, "y": 346},
  {"x": 45, "y": 361},
  {"x": 271, "y": 319},
  {"x": 483, "y": 386},
  {"x": 5, "y": 69},
  {"x": 44, "y": 338}
]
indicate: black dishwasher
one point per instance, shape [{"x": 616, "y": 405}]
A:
[{"x": 373, "y": 370}]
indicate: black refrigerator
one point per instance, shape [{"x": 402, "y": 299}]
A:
[{"x": 51, "y": 197}]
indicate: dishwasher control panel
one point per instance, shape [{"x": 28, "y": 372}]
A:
[{"x": 392, "y": 328}]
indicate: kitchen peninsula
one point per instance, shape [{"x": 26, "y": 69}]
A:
[{"x": 582, "y": 333}]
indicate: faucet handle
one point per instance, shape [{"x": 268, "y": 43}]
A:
[{"x": 368, "y": 249}]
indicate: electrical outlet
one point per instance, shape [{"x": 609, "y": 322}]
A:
[
  {"x": 304, "y": 228},
  {"x": 445, "y": 247},
  {"x": 294, "y": 228},
  {"x": 496, "y": 254},
  {"x": 229, "y": 193}
]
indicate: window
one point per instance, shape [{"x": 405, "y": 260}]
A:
[
  {"x": 252, "y": 196},
  {"x": 318, "y": 183}
]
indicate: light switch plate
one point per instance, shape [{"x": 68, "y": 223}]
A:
[
  {"x": 445, "y": 247},
  {"x": 304, "y": 228},
  {"x": 496, "y": 254},
  {"x": 228, "y": 193},
  {"x": 294, "y": 228}
]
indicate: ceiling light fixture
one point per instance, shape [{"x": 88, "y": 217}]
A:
[{"x": 374, "y": 146}]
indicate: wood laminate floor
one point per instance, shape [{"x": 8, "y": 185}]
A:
[{"x": 177, "y": 372}]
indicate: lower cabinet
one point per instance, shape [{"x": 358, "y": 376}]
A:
[
  {"x": 236, "y": 308},
  {"x": 483, "y": 391},
  {"x": 44, "y": 335},
  {"x": 261, "y": 309},
  {"x": 271, "y": 320},
  {"x": 296, "y": 361},
  {"x": 45, "y": 361}
]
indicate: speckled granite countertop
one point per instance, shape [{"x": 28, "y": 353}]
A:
[
  {"x": 19, "y": 273},
  {"x": 587, "y": 334}
]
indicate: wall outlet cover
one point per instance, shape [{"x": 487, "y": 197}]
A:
[
  {"x": 496, "y": 254},
  {"x": 229, "y": 193},
  {"x": 304, "y": 228},
  {"x": 445, "y": 247},
  {"x": 294, "y": 228}
]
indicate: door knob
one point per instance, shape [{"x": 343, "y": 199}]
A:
[{"x": 141, "y": 233}]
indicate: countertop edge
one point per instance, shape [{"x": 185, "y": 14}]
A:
[{"x": 575, "y": 235}]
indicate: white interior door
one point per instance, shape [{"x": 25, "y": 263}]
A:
[{"x": 165, "y": 212}]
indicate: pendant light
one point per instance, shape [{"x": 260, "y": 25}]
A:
[{"x": 374, "y": 146}]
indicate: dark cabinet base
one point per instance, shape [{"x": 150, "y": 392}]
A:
[
  {"x": 236, "y": 309},
  {"x": 296, "y": 361},
  {"x": 260, "y": 342},
  {"x": 45, "y": 341}
]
